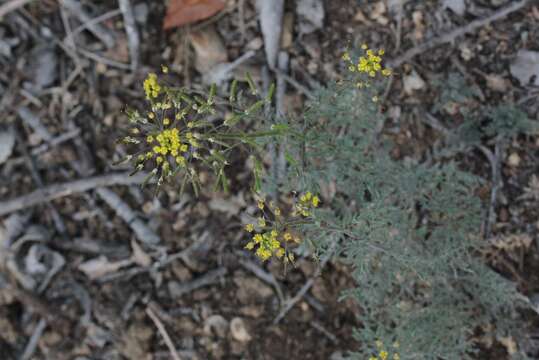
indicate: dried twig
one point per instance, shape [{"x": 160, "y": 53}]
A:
[
  {"x": 132, "y": 32},
  {"x": 32, "y": 343},
  {"x": 306, "y": 287},
  {"x": 11, "y": 6},
  {"x": 139, "y": 227},
  {"x": 181, "y": 255},
  {"x": 33, "y": 121},
  {"x": 280, "y": 161},
  {"x": 163, "y": 333},
  {"x": 494, "y": 160},
  {"x": 263, "y": 275},
  {"x": 57, "y": 191},
  {"x": 177, "y": 290},
  {"x": 452, "y": 35},
  {"x": 98, "y": 30}
]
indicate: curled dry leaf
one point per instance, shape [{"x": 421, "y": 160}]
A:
[
  {"x": 182, "y": 12},
  {"x": 239, "y": 331},
  {"x": 101, "y": 266},
  {"x": 7, "y": 141}
]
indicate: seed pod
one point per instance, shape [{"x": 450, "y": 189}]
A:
[{"x": 233, "y": 91}]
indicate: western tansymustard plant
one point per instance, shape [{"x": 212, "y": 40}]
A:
[
  {"x": 273, "y": 231},
  {"x": 367, "y": 66},
  {"x": 181, "y": 132}
]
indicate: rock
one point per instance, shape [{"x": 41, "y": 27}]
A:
[
  {"x": 457, "y": 6},
  {"x": 250, "y": 288},
  {"x": 413, "y": 82},
  {"x": 525, "y": 66},
  {"x": 513, "y": 160},
  {"x": 311, "y": 15}
]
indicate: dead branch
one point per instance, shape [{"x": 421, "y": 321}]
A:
[
  {"x": 163, "y": 333},
  {"x": 306, "y": 287},
  {"x": 139, "y": 227},
  {"x": 12, "y": 6},
  {"x": 57, "y": 191},
  {"x": 451, "y": 36},
  {"x": 102, "y": 33},
  {"x": 132, "y": 32},
  {"x": 177, "y": 290}
]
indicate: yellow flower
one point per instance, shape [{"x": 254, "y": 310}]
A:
[
  {"x": 386, "y": 72},
  {"x": 164, "y": 69},
  {"x": 261, "y": 222},
  {"x": 258, "y": 238},
  {"x": 381, "y": 52},
  {"x": 364, "y": 46},
  {"x": 151, "y": 87},
  {"x": 373, "y": 358},
  {"x": 396, "y": 357},
  {"x": 287, "y": 236},
  {"x": 277, "y": 212},
  {"x": 315, "y": 201},
  {"x": 261, "y": 205},
  {"x": 383, "y": 355},
  {"x": 180, "y": 160},
  {"x": 379, "y": 344},
  {"x": 166, "y": 121},
  {"x": 149, "y": 139},
  {"x": 250, "y": 245},
  {"x": 159, "y": 159},
  {"x": 249, "y": 227},
  {"x": 279, "y": 253},
  {"x": 346, "y": 56}
]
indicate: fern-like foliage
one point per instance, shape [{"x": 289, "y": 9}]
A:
[{"x": 409, "y": 230}]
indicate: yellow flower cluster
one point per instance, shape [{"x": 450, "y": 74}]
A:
[
  {"x": 273, "y": 232},
  {"x": 172, "y": 137},
  {"x": 168, "y": 144},
  {"x": 306, "y": 203},
  {"x": 368, "y": 65},
  {"x": 384, "y": 354},
  {"x": 151, "y": 87}
]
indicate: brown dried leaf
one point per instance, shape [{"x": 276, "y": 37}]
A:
[
  {"x": 182, "y": 12},
  {"x": 497, "y": 83},
  {"x": 209, "y": 49},
  {"x": 139, "y": 255}
]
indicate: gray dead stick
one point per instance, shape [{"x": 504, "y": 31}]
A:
[
  {"x": 32, "y": 343},
  {"x": 132, "y": 32},
  {"x": 57, "y": 191},
  {"x": 280, "y": 114},
  {"x": 452, "y": 35},
  {"x": 30, "y": 119},
  {"x": 176, "y": 289},
  {"x": 142, "y": 231},
  {"x": 11, "y": 6},
  {"x": 102, "y": 33},
  {"x": 270, "y": 14}
]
